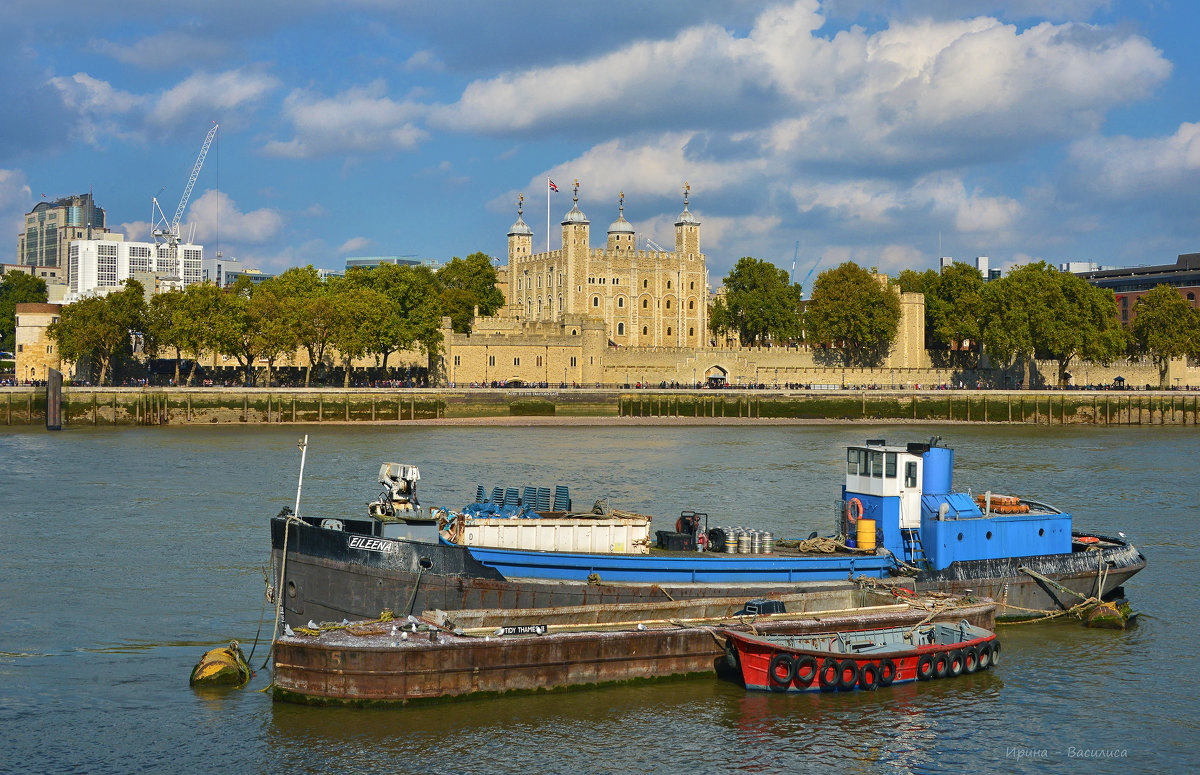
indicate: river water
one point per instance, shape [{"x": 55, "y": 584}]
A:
[{"x": 130, "y": 552}]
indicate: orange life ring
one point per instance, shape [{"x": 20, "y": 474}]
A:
[{"x": 850, "y": 515}]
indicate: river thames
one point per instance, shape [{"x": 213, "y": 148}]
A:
[{"x": 130, "y": 552}]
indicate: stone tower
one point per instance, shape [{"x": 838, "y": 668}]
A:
[
  {"x": 620, "y": 233},
  {"x": 576, "y": 235},
  {"x": 687, "y": 231},
  {"x": 520, "y": 247}
]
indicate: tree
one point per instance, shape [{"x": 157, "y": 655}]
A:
[
  {"x": 761, "y": 304},
  {"x": 192, "y": 321},
  {"x": 1036, "y": 311},
  {"x": 912, "y": 281},
  {"x": 100, "y": 326},
  {"x": 17, "y": 288},
  {"x": 162, "y": 332},
  {"x": 356, "y": 326},
  {"x": 276, "y": 332},
  {"x": 465, "y": 284},
  {"x": 1166, "y": 327},
  {"x": 852, "y": 310},
  {"x": 954, "y": 306},
  {"x": 311, "y": 314},
  {"x": 238, "y": 327}
]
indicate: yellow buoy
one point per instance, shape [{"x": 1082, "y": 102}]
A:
[
  {"x": 225, "y": 666},
  {"x": 866, "y": 534}
]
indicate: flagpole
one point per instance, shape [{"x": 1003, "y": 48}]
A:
[{"x": 547, "y": 214}]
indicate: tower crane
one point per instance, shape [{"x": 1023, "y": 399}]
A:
[
  {"x": 804, "y": 285},
  {"x": 795, "y": 253},
  {"x": 168, "y": 231}
]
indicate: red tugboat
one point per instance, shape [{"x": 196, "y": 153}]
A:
[{"x": 866, "y": 659}]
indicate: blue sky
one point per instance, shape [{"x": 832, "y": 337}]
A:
[{"x": 863, "y": 129}]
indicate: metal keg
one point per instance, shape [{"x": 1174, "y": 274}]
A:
[
  {"x": 768, "y": 542},
  {"x": 755, "y": 542},
  {"x": 730, "y": 541},
  {"x": 743, "y": 543}
]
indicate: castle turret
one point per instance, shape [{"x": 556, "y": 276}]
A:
[
  {"x": 620, "y": 233},
  {"x": 687, "y": 231},
  {"x": 576, "y": 236},
  {"x": 520, "y": 247}
]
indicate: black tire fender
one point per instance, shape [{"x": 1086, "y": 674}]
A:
[
  {"x": 985, "y": 656},
  {"x": 828, "y": 674},
  {"x": 887, "y": 672},
  {"x": 956, "y": 661},
  {"x": 925, "y": 667},
  {"x": 847, "y": 682},
  {"x": 806, "y": 670},
  {"x": 941, "y": 664},
  {"x": 970, "y": 659},
  {"x": 868, "y": 676},
  {"x": 773, "y": 676}
]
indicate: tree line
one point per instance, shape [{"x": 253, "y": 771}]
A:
[
  {"x": 377, "y": 311},
  {"x": 1033, "y": 312}
]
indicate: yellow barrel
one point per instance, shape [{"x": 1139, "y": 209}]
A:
[{"x": 866, "y": 534}]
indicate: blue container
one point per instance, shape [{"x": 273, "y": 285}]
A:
[{"x": 938, "y": 471}]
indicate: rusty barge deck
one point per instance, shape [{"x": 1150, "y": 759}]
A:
[{"x": 399, "y": 662}]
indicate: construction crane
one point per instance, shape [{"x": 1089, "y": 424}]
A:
[
  {"x": 795, "y": 253},
  {"x": 168, "y": 231},
  {"x": 804, "y": 285},
  {"x": 653, "y": 245}
]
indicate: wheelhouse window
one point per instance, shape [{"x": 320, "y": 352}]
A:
[
  {"x": 889, "y": 465},
  {"x": 910, "y": 474}
]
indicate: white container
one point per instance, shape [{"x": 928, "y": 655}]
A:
[{"x": 603, "y": 536}]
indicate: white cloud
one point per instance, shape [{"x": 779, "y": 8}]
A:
[
  {"x": 165, "y": 49},
  {"x": 136, "y": 231},
  {"x": 353, "y": 245},
  {"x": 424, "y": 60},
  {"x": 105, "y": 111},
  {"x": 1123, "y": 168},
  {"x": 215, "y": 213},
  {"x": 358, "y": 120},
  {"x": 212, "y": 95},
  {"x": 16, "y": 199}
]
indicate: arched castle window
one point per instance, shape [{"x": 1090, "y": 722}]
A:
[
  {"x": 620, "y": 329},
  {"x": 595, "y": 301},
  {"x": 691, "y": 331},
  {"x": 645, "y": 330},
  {"x": 668, "y": 285},
  {"x": 645, "y": 283},
  {"x": 668, "y": 330},
  {"x": 620, "y": 301},
  {"x": 668, "y": 300},
  {"x": 691, "y": 286},
  {"x": 691, "y": 304},
  {"x": 645, "y": 303}
]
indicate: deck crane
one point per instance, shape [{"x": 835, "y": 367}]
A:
[{"x": 168, "y": 232}]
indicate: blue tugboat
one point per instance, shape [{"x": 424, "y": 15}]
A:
[{"x": 897, "y": 503}]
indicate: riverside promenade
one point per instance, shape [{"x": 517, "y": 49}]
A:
[{"x": 159, "y": 406}]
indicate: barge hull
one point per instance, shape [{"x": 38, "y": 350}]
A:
[{"x": 337, "y": 668}]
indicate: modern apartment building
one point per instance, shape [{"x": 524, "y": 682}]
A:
[
  {"x": 51, "y": 225},
  {"x": 99, "y": 266}
]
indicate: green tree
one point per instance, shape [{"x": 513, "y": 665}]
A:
[
  {"x": 954, "y": 306},
  {"x": 161, "y": 332},
  {"x": 17, "y": 288},
  {"x": 192, "y": 321},
  {"x": 238, "y": 327},
  {"x": 912, "y": 281},
  {"x": 1166, "y": 327},
  {"x": 311, "y": 313},
  {"x": 761, "y": 304},
  {"x": 356, "y": 325},
  {"x": 465, "y": 284},
  {"x": 1036, "y": 311},
  {"x": 850, "y": 309},
  {"x": 277, "y": 331},
  {"x": 100, "y": 327}
]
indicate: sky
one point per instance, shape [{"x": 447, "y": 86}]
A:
[{"x": 820, "y": 131}]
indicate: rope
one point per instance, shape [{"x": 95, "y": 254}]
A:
[
  {"x": 279, "y": 592},
  {"x": 821, "y": 544},
  {"x": 385, "y": 615},
  {"x": 413, "y": 597},
  {"x": 261, "y": 612}
]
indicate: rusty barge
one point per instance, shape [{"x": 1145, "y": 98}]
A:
[{"x": 454, "y": 654}]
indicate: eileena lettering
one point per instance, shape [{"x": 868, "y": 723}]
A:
[{"x": 372, "y": 544}]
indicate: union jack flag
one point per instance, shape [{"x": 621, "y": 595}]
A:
[{"x": 553, "y": 187}]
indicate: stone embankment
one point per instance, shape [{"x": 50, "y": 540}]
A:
[{"x": 97, "y": 407}]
